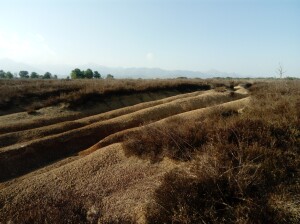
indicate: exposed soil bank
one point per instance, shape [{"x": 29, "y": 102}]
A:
[{"x": 85, "y": 105}]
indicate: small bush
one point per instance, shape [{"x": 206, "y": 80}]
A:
[
  {"x": 177, "y": 140},
  {"x": 221, "y": 89}
]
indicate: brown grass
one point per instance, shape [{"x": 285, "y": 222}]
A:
[
  {"x": 21, "y": 158},
  {"x": 178, "y": 140},
  {"x": 23, "y": 95},
  {"x": 232, "y": 165},
  {"x": 244, "y": 167}
]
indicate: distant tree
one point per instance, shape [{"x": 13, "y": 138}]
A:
[
  {"x": 9, "y": 75},
  {"x": 24, "y": 74},
  {"x": 68, "y": 77},
  {"x": 77, "y": 74},
  {"x": 280, "y": 71},
  {"x": 2, "y": 74},
  {"x": 47, "y": 75},
  {"x": 34, "y": 75},
  {"x": 55, "y": 77},
  {"x": 109, "y": 76},
  {"x": 97, "y": 75},
  {"x": 88, "y": 74}
]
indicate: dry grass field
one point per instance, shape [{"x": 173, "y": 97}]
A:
[{"x": 149, "y": 151}]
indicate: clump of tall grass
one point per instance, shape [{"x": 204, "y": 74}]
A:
[{"x": 178, "y": 140}]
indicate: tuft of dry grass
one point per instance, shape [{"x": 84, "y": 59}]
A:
[{"x": 178, "y": 140}]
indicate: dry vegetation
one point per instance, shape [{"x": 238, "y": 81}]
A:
[
  {"x": 29, "y": 95},
  {"x": 244, "y": 167},
  {"x": 228, "y": 155}
]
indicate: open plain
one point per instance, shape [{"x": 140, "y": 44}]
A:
[{"x": 149, "y": 151}]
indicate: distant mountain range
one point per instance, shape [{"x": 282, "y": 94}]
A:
[
  {"x": 118, "y": 72},
  {"x": 12, "y": 66}
]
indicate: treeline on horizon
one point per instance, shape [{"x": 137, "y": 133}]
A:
[
  {"x": 90, "y": 74},
  {"x": 26, "y": 75},
  {"x": 75, "y": 74}
]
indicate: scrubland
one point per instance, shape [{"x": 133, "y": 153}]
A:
[
  {"x": 150, "y": 151},
  {"x": 20, "y": 95}
]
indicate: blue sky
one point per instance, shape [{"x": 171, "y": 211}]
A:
[{"x": 249, "y": 37}]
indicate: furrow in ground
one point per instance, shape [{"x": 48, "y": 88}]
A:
[
  {"x": 192, "y": 115},
  {"x": 122, "y": 135},
  {"x": 17, "y": 160},
  {"x": 34, "y": 133},
  {"x": 47, "y": 116}
]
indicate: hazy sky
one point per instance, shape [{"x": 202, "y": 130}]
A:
[{"x": 246, "y": 36}]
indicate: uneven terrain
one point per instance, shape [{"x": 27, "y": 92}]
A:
[{"x": 64, "y": 165}]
